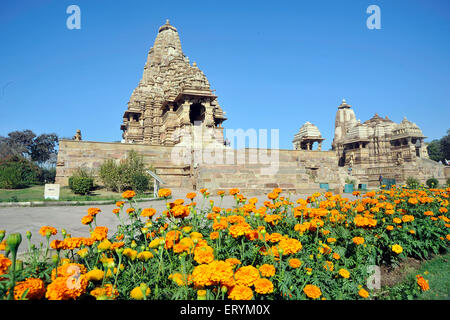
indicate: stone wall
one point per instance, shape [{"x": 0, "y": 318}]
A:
[
  {"x": 88, "y": 154},
  {"x": 251, "y": 170},
  {"x": 296, "y": 171}
]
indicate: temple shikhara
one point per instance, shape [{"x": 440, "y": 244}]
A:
[
  {"x": 174, "y": 101},
  {"x": 172, "y": 96}
]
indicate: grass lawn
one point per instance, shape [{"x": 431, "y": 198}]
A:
[
  {"x": 436, "y": 271},
  {"x": 36, "y": 193}
]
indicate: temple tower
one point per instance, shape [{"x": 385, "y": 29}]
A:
[{"x": 172, "y": 96}]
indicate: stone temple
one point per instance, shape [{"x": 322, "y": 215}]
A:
[
  {"x": 171, "y": 97},
  {"x": 174, "y": 102}
]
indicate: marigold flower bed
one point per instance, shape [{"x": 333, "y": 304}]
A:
[{"x": 322, "y": 247}]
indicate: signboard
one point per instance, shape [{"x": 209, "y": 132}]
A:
[{"x": 51, "y": 191}]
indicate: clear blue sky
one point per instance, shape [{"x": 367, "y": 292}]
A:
[{"x": 274, "y": 64}]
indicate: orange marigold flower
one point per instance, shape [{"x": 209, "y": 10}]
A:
[
  {"x": 246, "y": 275},
  {"x": 233, "y": 261},
  {"x": 191, "y": 195},
  {"x": 99, "y": 233},
  {"x": 107, "y": 291},
  {"x": 222, "y": 273},
  {"x": 93, "y": 211},
  {"x": 87, "y": 219},
  {"x": 44, "y": 229},
  {"x": 267, "y": 270},
  {"x": 358, "y": 240},
  {"x": 128, "y": 194},
  {"x": 234, "y": 191},
  {"x": 423, "y": 284},
  {"x": 289, "y": 246},
  {"x": 336, "y": 256},
  {"x": 203, "y": 254},
  {"x": 4, "y": 264},
  {"x": 57, "y": 244},
  {"x": 214, "y": 235},
  {"x": 148, "y": 212},
  {"x": 328, "y": 266},
  {"x": 116, "y": 210},
  {"x": 312, "y": 291},
  {"x": 263, "y": 286},
  {"x": 35, "y": 287},
  {"x": 294, "y": 263},
  {"x": 164, "y": 193},
  {"x": 220, "y": 192},
  {"x": 201, "y": 275},
  {"x": 363, "y": 293},
  {"x": 120, "y": 203},
  {"x": 240, "y": 292}
]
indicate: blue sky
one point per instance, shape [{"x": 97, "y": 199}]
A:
[{"x": 274, "y": 64}]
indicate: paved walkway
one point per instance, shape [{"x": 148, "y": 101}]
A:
[{"x": 22, "y": 219}]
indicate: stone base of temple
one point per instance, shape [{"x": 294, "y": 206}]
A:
[{"x": 253, "y": 170}]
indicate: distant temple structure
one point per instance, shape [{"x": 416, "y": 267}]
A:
[
  {"x": 171, "y": 97},
  {"x": 306, "y": 136},
  {"x": 378, "y": 141}
]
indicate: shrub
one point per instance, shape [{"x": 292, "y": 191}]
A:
[
  {"x": 448, "y": 182},
  {"x": 47, "y": 175},
  {"x": 17, "y": 172},
  {"x": 81, "y": 182},
  {"x": 412, "y": 183},
  {"x": 140, "y": 182},
  {"x": 128, "y": 174},
  {"x": 432, "y": 182}
]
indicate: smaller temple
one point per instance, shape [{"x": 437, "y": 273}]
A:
[{"x": 306, "y": 136}]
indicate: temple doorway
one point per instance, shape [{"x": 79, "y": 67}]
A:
[{"x": 197, "y": 113}]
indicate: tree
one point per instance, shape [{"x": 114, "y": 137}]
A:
[
  {"x": 43, "y": 147},
  {"x": 25, "y": 144},
  {"x": 434, "y": 150},
  {"x": 445, "y": 146}
]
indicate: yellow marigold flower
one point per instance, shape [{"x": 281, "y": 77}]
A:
[
  {"x": 246, "y": 275},
  {"x": 35, "y": 287},
  {"x": 137, "y": 294},
  {"x": 397, "y": 248},
  {"x": 363, "y": 293},
  {"x": 240, "y": 292},
  {"x": 179, "y": 279},
  {"x": 331, "y": 240},
  {"x": 344, "y": 273},
  {"x": 95, "y": 275},
  {"x": 105, "y": 292},
  {"x": 312, "y": 291},
  {"x": 390, "y": 228},
  {"x": 145, "y": 255},
  {"x": 104, "y": 245},
  {"x": 397, "y": 220},
  {"x": 263, "y": 286},
  {"x": 130, "y": 253},
  {"x": 267, "y": 270}
]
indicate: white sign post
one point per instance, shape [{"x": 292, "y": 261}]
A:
[
  {"x": 51, "y": 191},
  {"x": 157, "y": 181}
]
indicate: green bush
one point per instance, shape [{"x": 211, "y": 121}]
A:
[
  {"x": 130, "y": 173},
  {"x": 81, "y": 182},
  {"x": 448, "y": 182},
  {"x": 17, "y": 172},
  {"x": 412, "y": 183},
  {"x": 140, "y": 182},
  {"x": 432, "y": 183}
]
